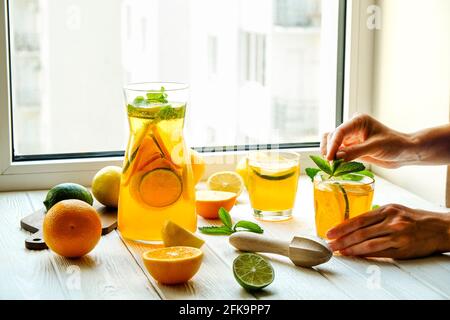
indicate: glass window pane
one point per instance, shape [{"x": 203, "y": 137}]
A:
[{"x": 259, "y": 70}]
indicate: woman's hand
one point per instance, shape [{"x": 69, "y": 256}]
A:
[
  {"x": 369, "y": 140},
  {"x": 392, "y": 231}
]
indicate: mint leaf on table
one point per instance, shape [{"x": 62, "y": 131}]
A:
[
  {"x": 322, "y": 164},
  {"x": 214, "y": 230},
  {"x": 227, "y": 228},
  {"x": 247, "y": 226},
  {"x": 225, "y": 218}
]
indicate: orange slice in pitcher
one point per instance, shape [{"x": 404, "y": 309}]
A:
[
  {"x": 160, "y": 187},
  {"x": 160, "y": 163},
  {"x": 169, "y": 140},
  {"x": 142, "y": 149},
  {"x": 148, "y": 152}
]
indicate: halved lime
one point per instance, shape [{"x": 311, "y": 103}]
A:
[{"x": 252, "y": 271}]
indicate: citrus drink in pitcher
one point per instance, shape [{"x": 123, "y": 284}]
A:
[{"x": 157, "y": 182}]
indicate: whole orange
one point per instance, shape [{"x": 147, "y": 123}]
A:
[{"x": 72, "y": 228}]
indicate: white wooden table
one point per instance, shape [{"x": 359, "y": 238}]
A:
[{"x": 114, "y": 270}]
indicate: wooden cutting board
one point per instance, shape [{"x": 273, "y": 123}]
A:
[{"x": 33, "y": 223}]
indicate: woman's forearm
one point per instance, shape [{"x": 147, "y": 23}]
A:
[
  {"x": 445, "y": 244},
  {"x": 430, "y": 146}
]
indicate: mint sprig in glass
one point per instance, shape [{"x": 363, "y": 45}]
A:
[{"x": 341, "y": 190}]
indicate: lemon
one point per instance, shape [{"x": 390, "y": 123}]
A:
[
  {"x": 106, "y": 186},
  {"x": 241, "y": 169},
  {"x": 227, "y": 181},
  {"x": 173, "y": 235}
]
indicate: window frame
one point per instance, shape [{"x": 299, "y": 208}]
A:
[{"x": 44, "y": 171}]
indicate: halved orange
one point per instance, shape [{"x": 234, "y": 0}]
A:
[
  {"x": 209, "y": 202},
  {"x": 173, "y": 265},
  {"x": 160, "y": 187}
]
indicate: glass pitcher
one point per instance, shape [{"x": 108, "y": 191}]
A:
[{"x": 157, "y": 181}]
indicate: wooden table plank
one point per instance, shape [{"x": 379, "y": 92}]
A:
[
  {"x": 23, "y": 274},
  {"x": 108, "y": 272}
]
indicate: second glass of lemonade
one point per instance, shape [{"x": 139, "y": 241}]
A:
[
  {"x": 336, "y": 200},
  {"x": 272, "y": 183},
  {"x": 157, "y": 182}
]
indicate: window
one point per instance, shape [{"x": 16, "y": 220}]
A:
[
  {"x": 256, "y": 70},
  {"x": 254, "y": 61},
  {"x": 212, "y": 56}
]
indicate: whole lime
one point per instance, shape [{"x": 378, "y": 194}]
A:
[
  {"x": 106, "y": 186},
  {"x": 67, "y": 191}
]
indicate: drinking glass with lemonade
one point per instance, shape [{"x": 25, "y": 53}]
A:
[
  {"x": 157, "y": 182},
  {"x": 272, "y": 180},
  {"x": 337, "y": 199}
]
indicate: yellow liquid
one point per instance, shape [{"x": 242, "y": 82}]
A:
[
  {"x": 329, "y": 203},
  {"x": 273, "y": 189},
  {"x": 155, "y": 146}
]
